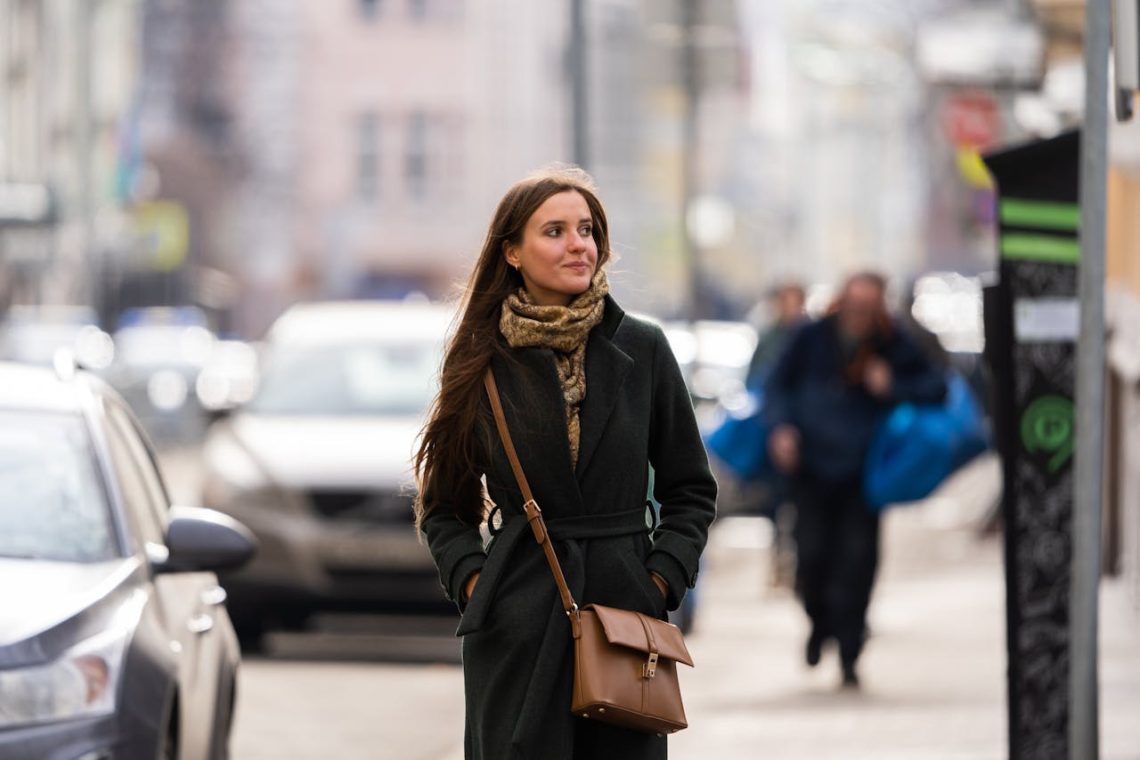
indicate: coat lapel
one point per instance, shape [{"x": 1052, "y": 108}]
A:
[
  {"x": 532, "y": 402},
  {"x": 606, "y": 369}
]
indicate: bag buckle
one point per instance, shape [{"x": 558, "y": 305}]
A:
[{"x": 649, "y": 669}]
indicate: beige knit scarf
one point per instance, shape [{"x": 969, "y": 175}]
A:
[{"x": 563, "y": 329}]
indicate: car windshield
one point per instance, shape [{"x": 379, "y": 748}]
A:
[
  {"x": 376, "y": 379},
  {"x": 52, "y": 503}
]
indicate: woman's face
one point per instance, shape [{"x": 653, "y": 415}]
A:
[{"x": 557, "y": 256}]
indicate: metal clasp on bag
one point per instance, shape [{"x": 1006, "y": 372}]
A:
[{"x": 649, "y": 669}]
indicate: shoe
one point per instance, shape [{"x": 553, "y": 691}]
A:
[
  {"x": 814, "y": 649},
  {"x": 850, "y": 677}
]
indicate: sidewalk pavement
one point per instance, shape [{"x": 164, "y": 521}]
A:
[{"x": 933, "y": 673}]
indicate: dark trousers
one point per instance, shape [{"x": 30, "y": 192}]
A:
[{"x": 837, "y": 553}]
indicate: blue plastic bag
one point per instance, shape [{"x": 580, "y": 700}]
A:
[
  {"x": 740, "y": 441},
  {"x": 919, "y": 446}
]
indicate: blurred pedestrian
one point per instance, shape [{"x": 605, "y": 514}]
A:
[
  {"x": 593, "y": 397},
  {"x": 833, "y": 385},
  {"x": 788, "y": 302}
]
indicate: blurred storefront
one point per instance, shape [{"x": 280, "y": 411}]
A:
[{"x": 67, "y": 77}]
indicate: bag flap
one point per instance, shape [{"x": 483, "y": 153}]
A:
[{"x": 627, "y": 628}]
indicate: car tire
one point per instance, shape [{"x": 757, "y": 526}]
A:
[
  {"x": 169, "y": 749},
  {"x": 250, "y": 628}
]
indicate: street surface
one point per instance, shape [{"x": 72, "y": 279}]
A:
[{"x": 933, "y": 672}]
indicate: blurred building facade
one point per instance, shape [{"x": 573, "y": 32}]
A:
[
  {"x": 67, "y": 80},
  {"x": 347, "y": 149}
]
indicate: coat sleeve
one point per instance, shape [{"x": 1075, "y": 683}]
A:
[
  {"x": 683, "y": 484},
  {"x": 916, "y": 378},
  {"x": 455, "y": 546}
]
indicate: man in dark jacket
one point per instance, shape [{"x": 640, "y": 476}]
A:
[{"x": 834, "y": 384}]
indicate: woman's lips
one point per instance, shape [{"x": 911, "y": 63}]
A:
[{"x": 578, "y": 267}]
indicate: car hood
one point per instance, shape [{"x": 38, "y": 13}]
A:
[
  {"x": 334, "y": 452},
  {"x": 37, "y": 595}
]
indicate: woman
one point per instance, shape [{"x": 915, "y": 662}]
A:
[{"x": 593, "y": 397}]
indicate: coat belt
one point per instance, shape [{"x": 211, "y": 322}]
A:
[
  {"x": 514, "y": 528},
  {"x": 576, "y": 527}
]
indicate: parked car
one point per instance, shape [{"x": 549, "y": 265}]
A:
[
  {"x": 160, "y": 353},
  {"x": 317, "y": 464},
  {"x": 114, "y": 638}
]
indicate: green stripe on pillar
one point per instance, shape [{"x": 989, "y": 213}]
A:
[
  {"x": 1046, "y": 215},
  {"x": 1059, "y": 250}
]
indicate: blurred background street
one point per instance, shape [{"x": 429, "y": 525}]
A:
[{"x": 249, "y": 218}]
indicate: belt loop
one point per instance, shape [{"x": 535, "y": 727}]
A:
[
  {"x": 495, "y": 520},
  {"x": 651, "y": 518}
]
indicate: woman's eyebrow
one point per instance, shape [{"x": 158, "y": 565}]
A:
[{"x": 553, "y": 222}]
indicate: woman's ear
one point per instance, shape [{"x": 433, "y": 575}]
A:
[{"x": 511, "y": 254}]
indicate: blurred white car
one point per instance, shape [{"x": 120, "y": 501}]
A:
[
  {"x": 317, "y": 464},
  {"x": 36, "y": 334},
  {"x": 159, "y": 354}
]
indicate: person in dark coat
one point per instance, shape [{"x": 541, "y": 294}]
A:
[
  {"x": 834, "y": 384},
  {"x": 593, "y": 397},
  {"x": 788, "y": 300}
]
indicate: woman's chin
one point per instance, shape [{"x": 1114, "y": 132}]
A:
[{"x": 577, "y": 285}]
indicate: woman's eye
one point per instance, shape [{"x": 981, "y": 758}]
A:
[
  {"x": 586, "y": 231},
  {"x": 553, "y": 232}
]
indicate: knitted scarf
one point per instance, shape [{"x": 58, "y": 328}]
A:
[{"x": 563, "y": 329}]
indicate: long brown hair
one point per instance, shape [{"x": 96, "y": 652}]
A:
[{"x": 449, "y": 454}]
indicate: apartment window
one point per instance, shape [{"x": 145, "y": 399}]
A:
[
  {"x": 416, "y": 158},
  {"x": 368, "y": 157},
  {"x": 438, "y": 11},
  {"x": 431, "y": 161},
  {"x": 369, "y": 9}
]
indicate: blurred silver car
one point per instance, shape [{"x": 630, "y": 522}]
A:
[
  {"x": 317, "y": 464},
  {"x": 114, "y": 639}
]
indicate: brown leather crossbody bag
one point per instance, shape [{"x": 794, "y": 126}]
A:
[{"x": 625, "y": 663}]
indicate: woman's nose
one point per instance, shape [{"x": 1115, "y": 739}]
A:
[{"x": 577, "y": 241}]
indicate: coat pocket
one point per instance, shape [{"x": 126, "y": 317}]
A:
[
  {"x": 635, "y": 563},
  {"x": 478, "y": 606}
]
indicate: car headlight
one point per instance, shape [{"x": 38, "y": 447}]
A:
[
  {"x": 227, "y": 459},
  {"x": 232, "y": 475},
  {"x": 80, "y": 684}
]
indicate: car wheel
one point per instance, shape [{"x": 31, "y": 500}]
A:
[{"x": 250, "y": 629}]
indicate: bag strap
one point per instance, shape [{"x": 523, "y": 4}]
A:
[{"x": 530, "y": 506}]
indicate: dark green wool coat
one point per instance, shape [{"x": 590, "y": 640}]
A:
[{"x": 517, "y": 648}]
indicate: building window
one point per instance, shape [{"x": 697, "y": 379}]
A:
[
  {"x": 368, "y": 157},
  {"x": 435, "y": 11},
  {"x": 431, "y": 163},
  {"x": 369, "y": 9},
  {"x": 416, "y": 157}
]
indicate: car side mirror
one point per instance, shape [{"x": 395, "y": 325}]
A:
[{"x": 200, "y": 540}]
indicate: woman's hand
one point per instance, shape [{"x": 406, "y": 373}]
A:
[
  {"x": 661, "y": 584},
  {"x": 469, "y": 586}
]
